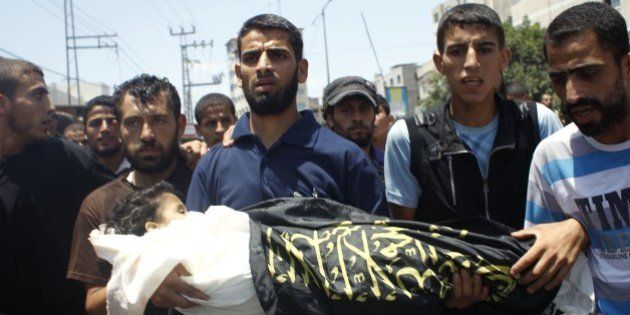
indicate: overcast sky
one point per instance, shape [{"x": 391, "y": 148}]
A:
[{"x": 400, "y": 29}]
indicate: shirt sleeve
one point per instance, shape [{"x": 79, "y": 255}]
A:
[
  {"x": 198, "y": 192},
  {"x": 365, "y": 188},
  {"x": 548, "y": 121},
  {"x": 541, "y": 206},
  {"x": 401, "y": 187},
  {"x": 84, "y": 264}
]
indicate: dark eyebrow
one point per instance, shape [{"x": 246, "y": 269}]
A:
[
  {"x": 39, "y": 89},
  {"x": 486, "y": 43},
  {"x": 576, "y": 68}
]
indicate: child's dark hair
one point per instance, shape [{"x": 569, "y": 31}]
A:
[{"x": 132, "y": 212}]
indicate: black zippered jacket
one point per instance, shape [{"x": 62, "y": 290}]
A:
[{"x": 452, "y": 184}]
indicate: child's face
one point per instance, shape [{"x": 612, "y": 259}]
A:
[{"x": 171, "y": 208}]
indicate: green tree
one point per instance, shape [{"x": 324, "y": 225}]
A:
[
  {"x": 527, "y": 64},
  {"x": 439, "y": 93}
]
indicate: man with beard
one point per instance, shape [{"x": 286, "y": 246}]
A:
[
  {"x": 150, "y": 126},
  {"x": 103, "y": 133},
  {"x": 42, "y": 183},
  {"x": 277, "y": 151},
  {"x": 350, "y": 111},
  {"x": 579, "y": 183}
]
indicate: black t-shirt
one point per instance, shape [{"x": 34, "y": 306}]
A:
[{"x": 41, "y": 190}]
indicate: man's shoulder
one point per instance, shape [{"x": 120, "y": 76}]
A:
[
  {"x": 560, "y": 138},
  {"x": 332, "y": 144},
  {"x": 104, "y": 198}
]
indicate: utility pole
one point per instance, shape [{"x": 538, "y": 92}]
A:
[
  {"x": 323, "y": 15},
  {"x": 187, "y": 83},
  {"x": 71, "y": 44},
  {"x": 378, "y": 64}
]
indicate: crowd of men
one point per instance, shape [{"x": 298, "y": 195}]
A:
[{"x": 507, "y": 159}]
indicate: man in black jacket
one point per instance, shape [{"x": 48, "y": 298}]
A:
[
  {"x": 471, "y": 156},
  {"x": 42, "y": 184}
]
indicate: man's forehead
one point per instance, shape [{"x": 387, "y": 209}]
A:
[
  {"x": 216, "y": 109},
  {"x": 159, "y": 103},
  {"x": 100, "y": 110},
  {"x": 575, "y": 51},
  {"x": 466, "y": 32},
  {"x": 258, "y": 39},
  {"x": 31, "y": 80}
]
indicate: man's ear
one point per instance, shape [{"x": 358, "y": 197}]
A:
[
  {"x": 625, "y": 69},
  {"x": 181, "y": 125},
  {"x": 237, "y": 70},
  {"x": 506, "y": 54},
  {"x": 438, "y": 62},
  {"x": 302, "y": 70},
  {"x": 329, "y": 120},
  {"x": 150, "y": 226},
  {"x": 198, "y": 130}
]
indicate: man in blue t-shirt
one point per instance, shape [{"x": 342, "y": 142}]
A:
[
  {"x": 579, "y": 184},
  {"x": 471, "y": 156}
]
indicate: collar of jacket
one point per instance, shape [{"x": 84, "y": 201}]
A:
[{"x": 451, "y": 143}]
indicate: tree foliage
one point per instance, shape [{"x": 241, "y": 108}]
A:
[{"x": 527, "y": 64}]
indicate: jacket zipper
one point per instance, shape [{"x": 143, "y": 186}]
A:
[
  {"x": 486, "y": 188},
  {"x": 452, "y": 176}
]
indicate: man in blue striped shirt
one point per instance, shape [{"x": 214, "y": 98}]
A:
[{"x": 579, "y": 183}]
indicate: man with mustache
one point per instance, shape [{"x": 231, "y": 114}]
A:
[
  {"x": 350, "y": 111},
  {"x": 103, "y": 133},
  {"x": 277, "y": 150},
  {"x": 42, "y": 183},
  {"x": 579, "y": 184},
  {"x": 150, "y": 126}
]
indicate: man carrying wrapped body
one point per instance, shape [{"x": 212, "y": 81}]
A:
[{"x": 316, "y": 256}]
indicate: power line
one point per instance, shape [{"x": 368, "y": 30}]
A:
[
  {"x": 45, "y": 68},
  {"x": 48, "y": 11},
  {"x": 158, "y": 12},
  {"x": 174, "y": 12}
]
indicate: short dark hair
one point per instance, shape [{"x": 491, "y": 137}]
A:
[
  {"x": 211, "y": 100},
  {"x": 273, "y": 22},
  {"x": 381, "y": 101},
  {"x": 468, "y": 14},
  {"x": 101, "y": 100},
  {"x": 146, "y": 88},
  {"x": 63, "y": 121},
  {"x": 516, "y": 88},
  {"x": 599, "y": 17},
  {"x": 10, "y": 72},
  {"x": 132, "y": 212}
]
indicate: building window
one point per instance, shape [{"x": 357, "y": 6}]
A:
[
  {"x": 615, "y": 3},
  {"x": 391, "y": 82},
  {"x": 436, "y": 17},
  {"x": 398, "y": 79}
]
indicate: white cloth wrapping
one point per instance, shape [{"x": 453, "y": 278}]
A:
[
  {"x": 213, "y": 247},
  {"x": 576, "y": 295}
]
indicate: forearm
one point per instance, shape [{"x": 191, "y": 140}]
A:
[
  {"x": 96, "y": 300},
  {"x": 402, "y": 213}
]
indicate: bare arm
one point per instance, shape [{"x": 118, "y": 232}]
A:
[
  {"x": 169, "y": 293},
  {"x": 553, "y": 254},
  {"x": 95, "y": 300},
  {"x": 402, "y": 213}
]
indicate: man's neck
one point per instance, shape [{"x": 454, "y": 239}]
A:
[
  {"x": 619, "y": 133},
  {"x": 11, "y": 143},
  {"x": 366, "y": 149},
  {"x": 111, "y": 162},
  {"x": 379, "y": 141},
  {"x": 473, "y": 115},
  {"x": 144, "y": 180},
  {"x": 271, "y": 127}
]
